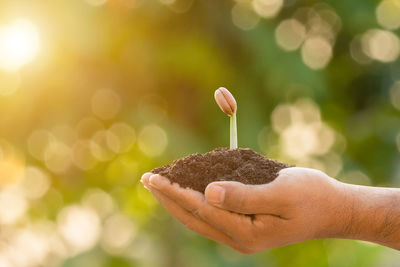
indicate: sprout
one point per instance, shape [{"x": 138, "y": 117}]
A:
[{"x": 227, "y": 104}]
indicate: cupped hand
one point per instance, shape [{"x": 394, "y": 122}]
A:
[{"x": 300, "y": 204}]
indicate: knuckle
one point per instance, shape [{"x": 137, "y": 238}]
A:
[
  {"x": 196, "y": 213},
  {"x": 202, "y": 212},
  {"x": 196, "y": 209}
]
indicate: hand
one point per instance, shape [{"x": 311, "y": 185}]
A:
[{"x": 300, "y": 204}]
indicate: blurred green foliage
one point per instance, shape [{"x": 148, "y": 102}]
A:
[{"x": 157, "y": 64}]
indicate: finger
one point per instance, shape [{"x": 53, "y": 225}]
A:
[
  {"x": 189, "y": 220},
  {"x": 235, "y": 225},
  {"x": 245, "y": 199},
  {"x": 145, "y": 177},
  {"x": 194, "y": 202},
  {"x": 189, "y": 199}
]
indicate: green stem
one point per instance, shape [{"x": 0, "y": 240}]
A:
[{"x": 233, "y": 132}]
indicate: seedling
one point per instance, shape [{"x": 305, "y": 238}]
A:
[
  {"x": 227, "y": 104},
  {"x": 243, "y": 165}
]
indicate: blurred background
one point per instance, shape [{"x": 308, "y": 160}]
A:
[{"x": 93, "y": 93}]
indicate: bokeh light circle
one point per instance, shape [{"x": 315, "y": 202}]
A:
[
  {"x": 388, "y": 14},
  {"x": 267, "y": 8},
  {"x": 381, "y": 45},
  {"x": 316, "y": 52},
  {"x": 244, "y": 17},
  {"x": 106, "y": 104},
  {"x": 152, "y": 140},
  {"x": 290, "y": 34},
  {"x": 118, "y": 233},
  {"x": 36, "y": 182},
  {"x": 79, "y": 226}
]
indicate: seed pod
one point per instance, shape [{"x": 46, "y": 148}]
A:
[{"x": 225, "y": 101}]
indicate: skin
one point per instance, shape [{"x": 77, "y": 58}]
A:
[{"x": 300, "y": 204}]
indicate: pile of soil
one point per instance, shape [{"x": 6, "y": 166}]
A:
[{"x": 243, "y": 165}]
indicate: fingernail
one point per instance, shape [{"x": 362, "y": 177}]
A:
[{"x": 215, "y": 194}]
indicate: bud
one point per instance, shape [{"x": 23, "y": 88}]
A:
[{"x": 225, "y": 101}]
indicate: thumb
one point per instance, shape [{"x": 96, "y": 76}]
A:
[{"x": 245, "y": 199}]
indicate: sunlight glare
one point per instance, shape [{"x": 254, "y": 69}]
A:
[{"x": 19, "y": 44}]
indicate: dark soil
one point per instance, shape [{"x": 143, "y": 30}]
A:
[{"x": 243, "y": 165}]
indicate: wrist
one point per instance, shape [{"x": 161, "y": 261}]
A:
[
  {"x": 336, "y": 215},
  {"x": 368, "y": 213}
]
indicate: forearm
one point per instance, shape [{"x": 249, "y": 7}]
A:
[{"x": 371, "y": 214}]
